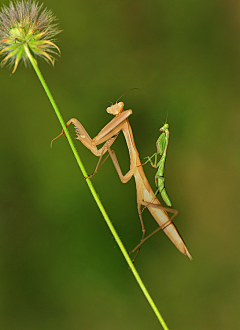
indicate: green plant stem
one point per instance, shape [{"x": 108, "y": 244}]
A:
[{"x": 93, "y": 191}]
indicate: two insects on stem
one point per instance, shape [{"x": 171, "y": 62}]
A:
[{"x": 145, "y": 195}]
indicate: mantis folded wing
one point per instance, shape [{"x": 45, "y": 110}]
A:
[{"x": 145, "y": 195}]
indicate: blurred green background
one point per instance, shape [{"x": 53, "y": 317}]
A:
[{"x": 60, "y": 266}]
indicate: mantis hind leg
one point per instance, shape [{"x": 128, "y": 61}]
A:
[
  {"x": 167, "y": 223},
  {"x": 143, "y": 234}
]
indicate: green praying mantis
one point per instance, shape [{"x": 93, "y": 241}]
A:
[
  {"x": 162, "y": 144},
  {"x": 145, "y": 194}
]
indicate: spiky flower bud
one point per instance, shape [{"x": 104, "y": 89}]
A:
[{"x": 25, "y": 27}]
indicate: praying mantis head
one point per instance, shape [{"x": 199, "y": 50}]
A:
[
  {"x": 164, "y": 128},
  {"x": 117, "y": 108}
]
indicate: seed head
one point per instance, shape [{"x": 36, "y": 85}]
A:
[{"x": 24, "y": 25}]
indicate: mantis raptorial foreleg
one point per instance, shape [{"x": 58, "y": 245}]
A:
[
  {"x": 83, "y": 136},
  {"x": 149, "y": 159},
  {"x": 108, "y": 135}
]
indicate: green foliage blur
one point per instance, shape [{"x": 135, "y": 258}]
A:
[{"x": 60, "y": 268}]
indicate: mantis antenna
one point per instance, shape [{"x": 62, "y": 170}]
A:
[{"x": 126, "y": 93}]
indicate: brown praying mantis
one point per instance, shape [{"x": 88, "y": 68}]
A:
[{"x": 145, "y": 194}]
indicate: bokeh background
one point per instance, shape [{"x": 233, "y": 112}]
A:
[{"x": 60, "y": 266}]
